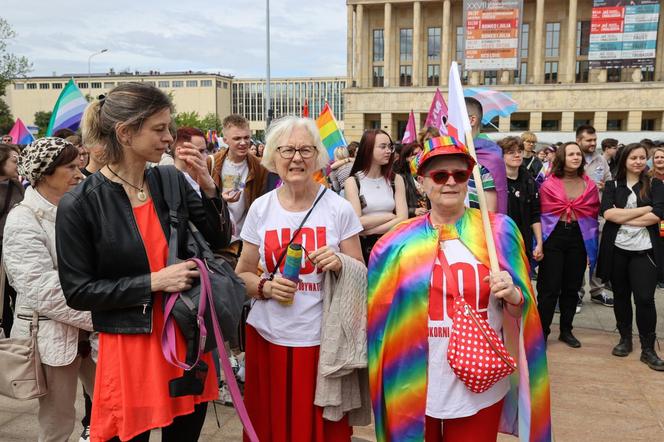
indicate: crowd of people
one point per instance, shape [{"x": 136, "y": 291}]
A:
[{"x": 393, "y": 250}]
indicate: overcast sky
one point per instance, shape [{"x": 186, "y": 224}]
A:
[{"x": 227, "y": 36}]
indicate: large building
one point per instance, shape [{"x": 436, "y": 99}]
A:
[
  {"x": 399, "y": 51},
  {"x": 191, "y": 91}
]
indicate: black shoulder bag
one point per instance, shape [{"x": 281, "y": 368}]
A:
[{"x": 247, "y": 305}]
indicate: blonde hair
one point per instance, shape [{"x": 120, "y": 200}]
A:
[
  {"x": 529, "y": 136},
  {"x": 128, "y": 104},
  {"x": 279, "y": 132},
  {"x": 340, "y": 153}
]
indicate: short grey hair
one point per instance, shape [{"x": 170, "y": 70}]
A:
[{"x": 279, "y": 132}]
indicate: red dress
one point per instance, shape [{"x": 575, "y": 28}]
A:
[{"x": 131, "y": 387}]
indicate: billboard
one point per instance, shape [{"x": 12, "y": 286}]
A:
[
  {"x": 492, "y": 37},
  {"x": 623, "y": 33}
]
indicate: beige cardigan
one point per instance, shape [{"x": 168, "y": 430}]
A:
[{"x": 342, "y": 384}]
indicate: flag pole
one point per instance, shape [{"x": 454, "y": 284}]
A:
[{"x": 484, "y": 210}]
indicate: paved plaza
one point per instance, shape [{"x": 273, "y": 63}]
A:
[{"x": 595, "y": 396}]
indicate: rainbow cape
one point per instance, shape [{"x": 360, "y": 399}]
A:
[
  {"x": 585, "y": 208},
  {"x": 399, "y": 281},
  {"x": 330, "y": 134},
  {"x": 68, "y": 110}
]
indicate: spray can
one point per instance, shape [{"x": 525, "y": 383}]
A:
[{"x": 292, "y": 265}]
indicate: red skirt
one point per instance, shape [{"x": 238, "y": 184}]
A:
[{"x": 279, "y": 394}]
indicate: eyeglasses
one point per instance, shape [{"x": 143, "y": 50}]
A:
[
  {"x": 442, "y": 176},
  {"x": 288, "y": 152},
  {"x": 385, "y": 146},
  {"x": 514, "y": 152}
]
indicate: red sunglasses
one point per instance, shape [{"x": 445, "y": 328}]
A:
[{"x": 442, "y": 176}]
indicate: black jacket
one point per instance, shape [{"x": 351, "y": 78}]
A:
[
  {"x": 528, "y": 211},
  {"x": 102, "y": 262},
  {"x": 534, "y": 165},
  {"x": 615, "y": 195},
  {"x": 413, "y": 196}
]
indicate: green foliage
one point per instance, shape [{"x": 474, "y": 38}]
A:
[
  {"x": 11, "y": 65},
  {"x": 192, "y": 119},
  {"x": 41, "y": 121},
  {"x": 6, "y": 118}
]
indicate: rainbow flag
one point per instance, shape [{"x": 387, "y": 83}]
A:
[
  {"x": 329, "y": 130},
  {"x": 20, "y": 134},
  {"x": 68, "y": 110},
  {"x": 399, "y": 280}
]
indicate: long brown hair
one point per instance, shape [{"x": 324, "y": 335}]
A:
[
  {"x": 558, "y": 168},
  {"x": 364, "y": 155},
  {"x": 621, "y": 173}
]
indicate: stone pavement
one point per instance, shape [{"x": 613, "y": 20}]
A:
[{"x": 595, "y": 396}]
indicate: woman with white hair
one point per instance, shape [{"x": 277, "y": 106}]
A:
[{"x": 283, "y": 328}]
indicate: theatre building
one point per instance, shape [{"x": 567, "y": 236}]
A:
[{"x": 565, "y": 62}]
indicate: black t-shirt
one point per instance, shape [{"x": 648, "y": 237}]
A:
[
  {"x": 513, "y": 205},
  {"x": 86, "y": 173}
]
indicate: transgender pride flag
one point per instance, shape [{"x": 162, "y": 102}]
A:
[{"x": 68, "y": 110}]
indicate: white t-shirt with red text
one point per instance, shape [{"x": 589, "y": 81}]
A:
[
  {"x": 269, "y": 226},
  {"x": 447, "y": 396}
]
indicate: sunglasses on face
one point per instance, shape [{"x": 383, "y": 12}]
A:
[{"x": 442, "y": 176}]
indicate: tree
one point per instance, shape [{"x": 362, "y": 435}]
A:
[
  {"x": 11, "y": 65},
  {"x": 6, "y": 118},
  {"x": 192, "y": 119},
  {"x": 41, "y": 121},
  {"x": 211, "y": 121}
]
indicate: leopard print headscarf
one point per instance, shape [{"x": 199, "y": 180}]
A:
[{"x": 38, "y": 155}]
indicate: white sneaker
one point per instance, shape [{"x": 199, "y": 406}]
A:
[
  {"x": 85, "y": 435},
  {"x": 225, "y": 395}
]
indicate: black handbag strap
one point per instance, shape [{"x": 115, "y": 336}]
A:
[
  {"x": 304, "y": 220},
  {"x": 173, "y": 199}
]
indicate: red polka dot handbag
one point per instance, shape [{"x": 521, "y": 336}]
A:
[{"x": 475, "y": 353}]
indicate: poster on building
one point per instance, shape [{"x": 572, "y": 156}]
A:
[
  {"x": 492, "y": 29},
  {"x": 623, "y": 33}
]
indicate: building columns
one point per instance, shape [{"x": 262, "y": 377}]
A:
[
  {"x": 386, "y": 123},
  {"x": 388, "y": 46},
  {"x": 350, "y": 39},
  {"x": 417, "y": 44},
  {"x": 359, "y": 42},
  {"x": 538, "y": 53},
  {"x": 570, "y": 65},
  {"x": 567, "y": 122},
  {"x": 634, "y": 121},
  {"x": 446, "y": 35},
  {"x": 600, "y": 120},
  {"x": 536, "y": 121}
]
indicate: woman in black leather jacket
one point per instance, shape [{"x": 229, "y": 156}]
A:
[{"x": 112, "y": 251}]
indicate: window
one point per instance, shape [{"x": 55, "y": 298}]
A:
[
  {"x": 521, "y": 76},
  {"x": 614, "y": 124},
  {"x": 163, "y": 83},
  {"x": 32, "y": 86},
  {"x": 96, "y": 85},
  {"x": 406, "y": 44},
  {"x": 405, "y": 75},
  {"x": 648, "y": 124},
  {"x": 109, "y": 84},
  {"x": 378, "y": 45},
  {"x": 378, "y": 79},
  {"x": 206, "y": 83},
  {"x": 151, "y": 83},
  {"x": 433, "y": 75},
  {"x": 225, "y": 85},
  {"x": 490, "y": 78},
  {"x": 56, "y": 85},
  {"x": 433, "y": 44},
  {"x": 43, "y": 86},
  {"x": 519, "y": 125},
  {"x": 458, "y": 54},
  {"x": 551, "y": 72},
  {"x": 525, "y": 32},
  {"x": 550, "y": 125},
  {"x": 648, "y": 73},
  {"x": 19, "y": 86},
  {"x": 83, "y": 85},
  {"x": 552, "y": 48},
  {"x": 582, "y": 71},
  {"x": 582, "y": 37},
  {"x": 613, "y": 75},
  {"x": 192, "y": 83},
  {"x": 177, "y": 83}
]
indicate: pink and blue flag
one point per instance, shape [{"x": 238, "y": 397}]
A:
[
  {"x": 494, "y": 103},
  {"x": 20, "y": 134},
  {"x": 410, "y": 135},
  {"x": 68, "y": 110}
]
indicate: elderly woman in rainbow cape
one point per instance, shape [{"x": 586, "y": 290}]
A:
[{"x": 416, "y": 394}]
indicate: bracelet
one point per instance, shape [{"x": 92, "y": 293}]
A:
[
  {"x": 261, "y": 284},
  {"x": 521, "y": 301}
]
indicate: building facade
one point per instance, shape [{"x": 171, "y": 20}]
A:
[{"x": 399, "y": 51}]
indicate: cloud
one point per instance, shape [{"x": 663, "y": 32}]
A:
[{"x": 307, "y": 38}]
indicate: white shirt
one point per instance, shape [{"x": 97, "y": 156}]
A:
[
  {"x": 447, "y": 396},
  {"x": 377, "y": 193},
  {"x": 234, "y": 176},
  {"x": 269, "y": 226},
  {"x": 633, "y": 238}
]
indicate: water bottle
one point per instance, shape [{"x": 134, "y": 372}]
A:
[{"x": 292, "y": 265}]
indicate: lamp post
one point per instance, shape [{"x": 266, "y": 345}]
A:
[
  {"x": 268, "y": 109},
  {"x": 89, "y": 72}
]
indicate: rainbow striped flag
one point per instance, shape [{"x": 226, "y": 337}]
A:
[
  {"x": 329, "y": 130},
  {"x": 68, "y": 110},
  {"x": 20, "y": 134}
]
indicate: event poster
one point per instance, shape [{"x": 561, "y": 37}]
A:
[
  {"x": 492, "y": 34},
  {"x": 623, "y": 33}
]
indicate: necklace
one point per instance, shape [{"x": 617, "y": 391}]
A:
[{"x": 141, "y": 195}]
